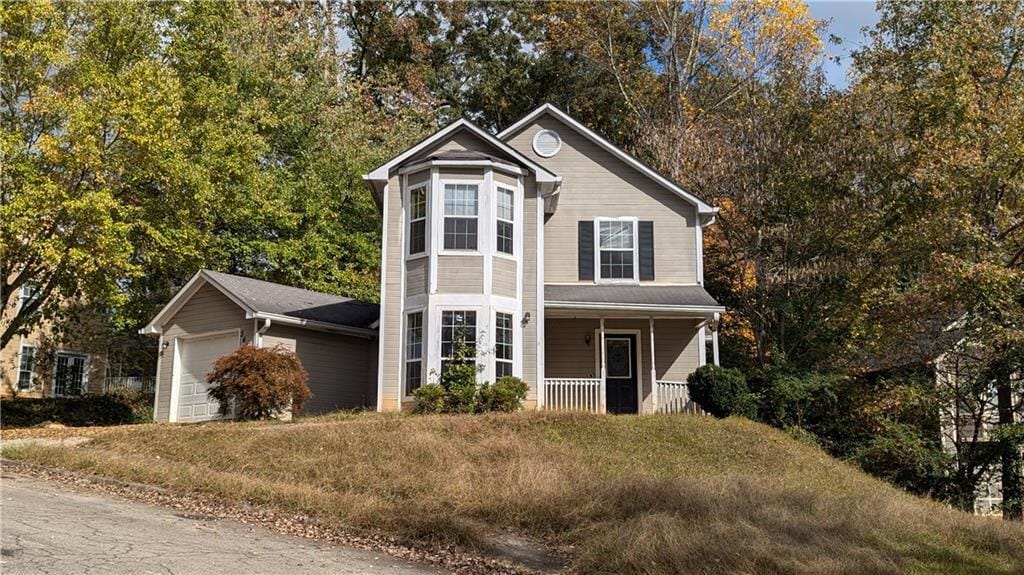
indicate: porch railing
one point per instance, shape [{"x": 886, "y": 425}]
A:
[
  {"x": 144, "y": 384},
  {"x": 674, "y": 397},
  {"x": 574, "y": 394}
]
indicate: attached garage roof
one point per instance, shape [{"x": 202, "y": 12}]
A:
[
  {"x": 278, "y": 303},
  {"x": 689, "y": 297},
  {"x": 272, "y": 298}
]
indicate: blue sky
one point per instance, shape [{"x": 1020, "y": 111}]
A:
[{"x": 847, "y": 18}]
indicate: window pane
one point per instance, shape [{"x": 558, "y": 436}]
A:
[
  {"x": 418, "y": 204},
  {"x": 414, "y": 336},
  {"x": 616, "y": 235},
  {"x": 616, "y": 265},
  {"x": 460, "y": 233},
  {"x": 413, "y": 376},
  {"x": 505, "y": 204},
  {"x": 418, "y": 237},
  {"x": 502, "y": 368},
  {"x": 504, "y": 237},
  {"x": 26, "y": 366},
  {"x": 503, "y": 344},
  {"x": 457, "y": 326},
  {"x": 460, "y": 200}
]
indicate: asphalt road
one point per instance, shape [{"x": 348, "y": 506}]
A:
[{"x": 49, "y": 528}]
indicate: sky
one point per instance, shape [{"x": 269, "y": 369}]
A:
[{"x": 847, "y": 18}]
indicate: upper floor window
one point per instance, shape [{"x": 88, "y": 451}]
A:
[
  {"x": 616, "y": 246},
  {"x": 506, "y": 218},
  {"x": 26, "y": 365},
  {"x": 413, "y": 352},
  {"x": 418, "y": 220},
  {"x": 460, "y": 216},
  {"x": 29, "y": 294},
  {"x": 502, "y": 344},
  {"x": 458, "y": 328}
]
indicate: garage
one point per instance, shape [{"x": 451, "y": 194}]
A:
[
  {"x": 335, "y": 339},
  {"x": 195, "y": 360}
]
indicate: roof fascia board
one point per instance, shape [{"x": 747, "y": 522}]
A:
[
  {"x": 460, "y": 163},
  {"x": 383, "y": 172},
  {"x": 702, "y": 207},
  {"x": 633, "y": 307},
  {"x": 313, "y": 324},
  {"x": 183, "y": 296}
]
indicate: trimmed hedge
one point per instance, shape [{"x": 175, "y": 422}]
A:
[{"x": 120, "y": 408}]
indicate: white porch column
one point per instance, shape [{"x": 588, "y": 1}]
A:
[
  {"x": 604, "y": 392},
  {"x": 654, "y": 371},
  {"x": 714, "y": 340}
]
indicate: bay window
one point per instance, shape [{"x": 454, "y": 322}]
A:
[
  {"x": 505, "y": 222},
  {"x": 502, "y": 344},
  {"x": 460, "y": 216},
  {"x": 458, "y": 329},
  {"x": 413, "y": 352},
  {"x": 418, "y": 220}
]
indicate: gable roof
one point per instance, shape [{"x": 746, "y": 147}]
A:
[
  {"x": 285, "y": 304},
  {"x": 382, "y": 173},
  {"x": 702, "y": 207}
]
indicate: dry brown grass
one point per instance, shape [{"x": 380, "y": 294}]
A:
[{"x": 651, "y": 494}]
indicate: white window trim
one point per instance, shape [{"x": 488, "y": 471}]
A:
[
  {"x": 21, "y": 353},
  {"x": 424, "y": 337},
  {"x": 482, "y": 323},
  {"x": 515, "y": 233},
  {"x": 22, "y": 298},
  {"x": 85, "y": 370},
  {"x": 407, "y": 204},
  {"x": 634, "y": 221},
  {"x": 482, "y": 207}
]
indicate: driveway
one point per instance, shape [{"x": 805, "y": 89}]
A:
[{"x": 49, "y": 528}]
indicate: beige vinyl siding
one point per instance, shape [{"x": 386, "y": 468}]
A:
[
  {"x": 529, "y": 301},
  {"x": 595, "y": 183},
  {"x": 676, "y": 348},
  {"x": 468, "y": 174},
  {"x": 420, "y": 177},
  {"x": 391, "y": 318},
  {"x": 506, "y": 179},
  {"x": 416, "y": 276},
  {"x": 341, "y": 368},
  {"x": 504, "y": 277},
  {"x": 460, "y": 274},
  {"x": 208, "y": 310}
]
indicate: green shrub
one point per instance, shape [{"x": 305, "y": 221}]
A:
[
  {"x": 904, "y": 456},
  {"x": 118, "y": 408},
  {"x": 259, "y": 383},
  {"x": 722, "y": 391},
  {"x": 430, "y": 399},
  {"x": 507, "y": 394},
  {"x": 787, "y": 400}
]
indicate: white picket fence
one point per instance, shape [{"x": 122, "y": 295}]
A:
[
  {"x": 145, "y": 384},
  {"x": 574, "y": 395},
  {"x": 674, "y": 397}
]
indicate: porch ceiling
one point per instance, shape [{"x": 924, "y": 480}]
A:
[{"x": 625, "y": 300}]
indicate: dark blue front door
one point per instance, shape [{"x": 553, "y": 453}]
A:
[{"x": 621, "y": 373}]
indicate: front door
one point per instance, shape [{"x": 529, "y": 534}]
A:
[{"x": 620, "y": 373}]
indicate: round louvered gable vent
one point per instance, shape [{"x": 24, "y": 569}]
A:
[{"x": 547, "y": 143}]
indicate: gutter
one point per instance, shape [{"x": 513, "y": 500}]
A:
[
  {"x": 630, "y": 307},
  {"x": 314, "y": 325}
]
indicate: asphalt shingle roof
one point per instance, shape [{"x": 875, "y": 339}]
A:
[
  {"x": 268, "y": 297},
  {"x": 630, "y": 294}
]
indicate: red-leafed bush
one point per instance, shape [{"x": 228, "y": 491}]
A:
[{"x": 260, "y": 383}]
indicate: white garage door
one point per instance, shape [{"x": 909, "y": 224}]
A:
[{"x": 197, "y": 356}]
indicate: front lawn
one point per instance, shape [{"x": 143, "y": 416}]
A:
[{"x": 629, "y": 494}]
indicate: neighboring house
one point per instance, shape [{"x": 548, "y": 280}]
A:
[
  {"x": 543, "y": 245},
  {"x": 214, "y": 313},
  {"x": 46, "y": 362},
  {"x": 969, "y": 418}
]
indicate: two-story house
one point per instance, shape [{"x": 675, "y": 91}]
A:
[{"x": 568, "y": 262}]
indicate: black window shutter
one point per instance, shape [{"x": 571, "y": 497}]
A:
[
  {"x": 586, "y": 251},
  {"x": 646, "y": 234}
]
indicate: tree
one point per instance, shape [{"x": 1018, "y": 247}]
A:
[{"x": 258, "y": 383}]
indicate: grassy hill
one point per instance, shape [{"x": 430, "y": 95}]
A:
[{"x": 650, "y": 494}]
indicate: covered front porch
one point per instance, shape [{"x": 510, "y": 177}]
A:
[{"x": 644, "y": 365}]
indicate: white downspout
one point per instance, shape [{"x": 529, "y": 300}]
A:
[{"x": 258, "y": 338}]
